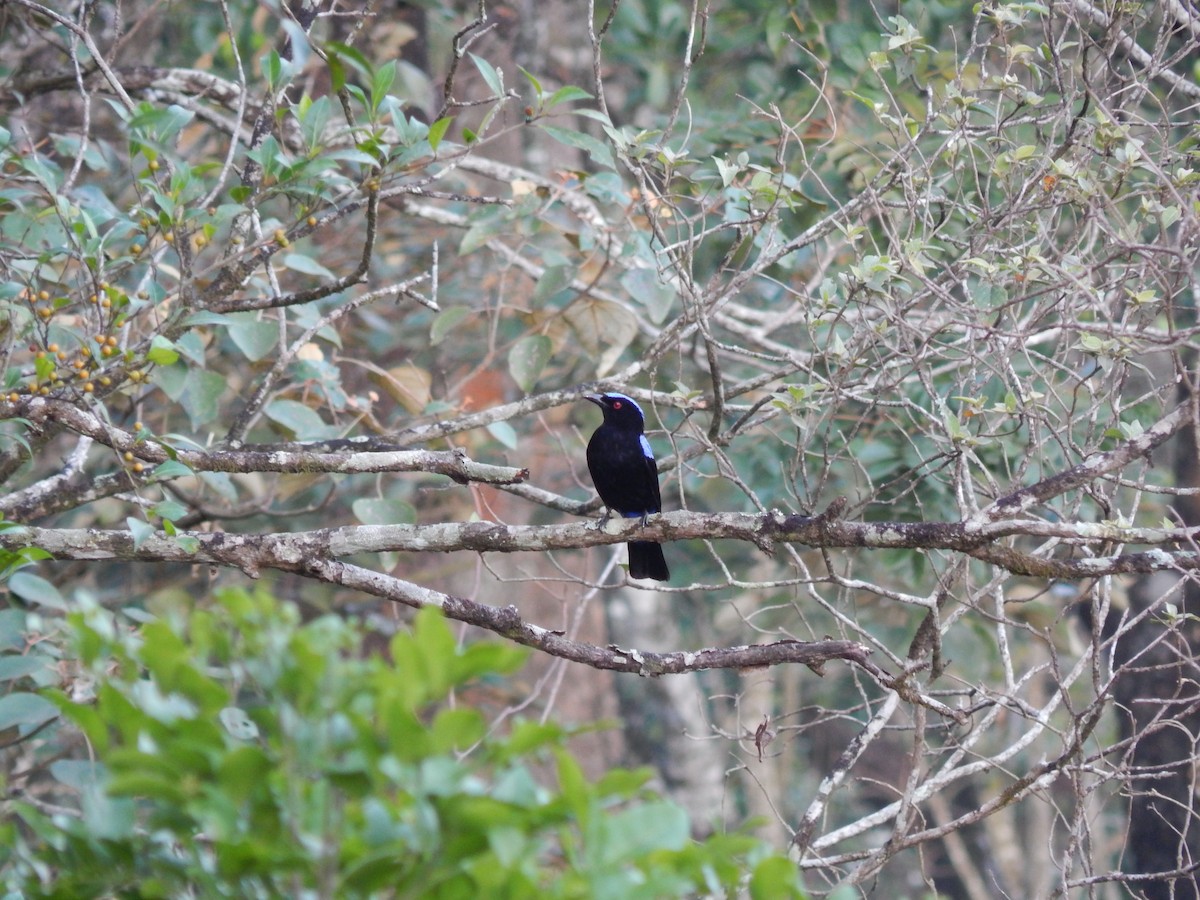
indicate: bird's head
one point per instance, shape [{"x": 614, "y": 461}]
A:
[{"x": 619, "y": 410}]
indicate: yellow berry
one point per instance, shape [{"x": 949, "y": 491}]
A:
[
  {"x": 53, "y": 348},
  {"x": 88, "y": 388},
  {"x": 138, "y": 467},
  {"x": 135, "y": 249},
  {"x": 43, "y": 295},
  {"x": 312, "y": 221},
  {"x": 128, "y": 456},
  {"x": 138, "y": 426}
]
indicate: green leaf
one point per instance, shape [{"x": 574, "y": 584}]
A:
[
  {"x": 80, "y": 774},
  {"x": 187, "y": 543},
  {"x": 162, "y": 352},
  {"x": 456, "y": 729},
  {"x": 306, "y": 265},
  {"x": 169, "y": 509},
  {"x": 437, "y": 131},
  {"x": 491, "y": 76},
  {"x": 201, "y": 396},
  {"x": 43, "y": 366},
  {"x": 245, "y": 769},
  {"x": 537, "y": 85},
  {"x": 148, "y": 785},
  {"x": 253, "y": 336},
  {"x": 37, "y": 590},
  {"x": 527, "y": 736},
  {"x": 173, "y": 380},
  {"x": 304, "y": 423},
  {"x": 647, "y": 288},
  {"x": 141, "y": 531},
  {"x": 205, "y": 317},
  {"x": 337, "y": 72},
  {"x": 600, "y": 152},
  {"x": 314, "y": 116},
  {"x": 483, "y": 659},
  {"x": 656, "y": 825},
  {"x": 574, "y": 785},
  {"x": 504, "y": 433},
  {"x": 446, "y": 321},
  {"x": 12, "y": 629},
  {"x": 482, "y": 231},
  {"x": 25, "y": 710},
  {"x": 527, "y": 359},
  {"x": 13, "y": 667},
  {"x": 775, "y": 877},
  {"x": 552, "y": 280},
  {"x": 604, "y": 328},
  {"x": 566, "y": 95},
  {"x": 273, "y": 67},
  {"x": 382, "y": 82},
  {"x": 172, "y": 468}
]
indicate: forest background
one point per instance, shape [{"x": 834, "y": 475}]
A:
[{"x": 305, "y": 593}]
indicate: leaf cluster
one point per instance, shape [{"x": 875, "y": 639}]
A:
[{"x": 238, "y": 751}]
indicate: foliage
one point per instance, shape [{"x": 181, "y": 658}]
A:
[
  {"x": 237, "y": 751},
  {"x": 909, "y": 299}
]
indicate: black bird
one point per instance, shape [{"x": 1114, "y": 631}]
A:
[{"x": 622, "y": 466}]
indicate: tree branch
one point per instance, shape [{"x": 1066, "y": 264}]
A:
[
  {"x": 284, "y": 550},
  {"x": 507, "y": 621},
  {"x": 453, "y": 464}
]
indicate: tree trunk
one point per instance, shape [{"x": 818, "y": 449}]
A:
[{"x": 1158, "y": 697}]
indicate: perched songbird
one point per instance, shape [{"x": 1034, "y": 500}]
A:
[{"x": 622, "y": 467}]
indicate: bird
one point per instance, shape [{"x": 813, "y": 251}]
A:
[{"x": 623, "y": 470}]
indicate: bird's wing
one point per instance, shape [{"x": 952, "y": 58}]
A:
[{"x": 652, "y": 473}]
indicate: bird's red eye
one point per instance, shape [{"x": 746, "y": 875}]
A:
[{"x": 617, "y": 404}]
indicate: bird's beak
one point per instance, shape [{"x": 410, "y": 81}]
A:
[{"x": 595, "y": 398}]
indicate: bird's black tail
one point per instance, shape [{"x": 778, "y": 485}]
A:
[{"x": 646, "y": 560}]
